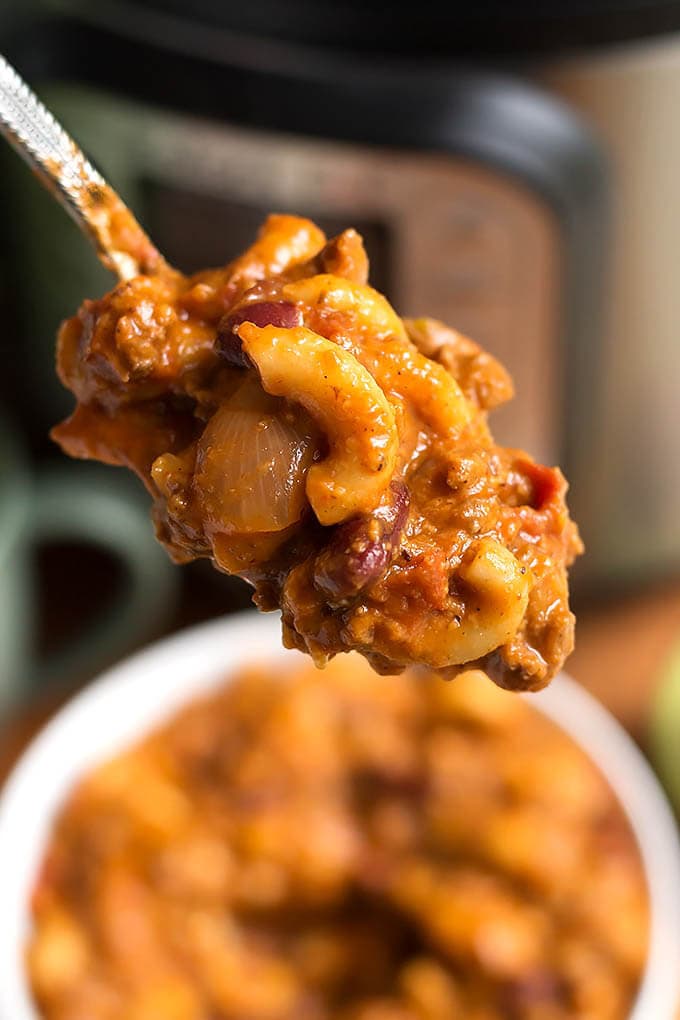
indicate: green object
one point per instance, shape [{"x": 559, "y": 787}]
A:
[
  {"x": 73, "y": 502},
  {"x": 665, "y": 728}
]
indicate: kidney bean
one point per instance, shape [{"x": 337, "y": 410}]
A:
[
  {"x": 361, "y": 550},
  {"x": 260, "y": 313}
]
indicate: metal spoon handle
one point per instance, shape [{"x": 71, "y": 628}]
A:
[{"x": 37, "y": 136}]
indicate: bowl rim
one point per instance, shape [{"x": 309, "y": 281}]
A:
[{"x": 133, "y": 697}]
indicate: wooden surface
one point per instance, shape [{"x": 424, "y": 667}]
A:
[
  {"x": 621, "y": 651},
  {"x": 15, "y": 734}
]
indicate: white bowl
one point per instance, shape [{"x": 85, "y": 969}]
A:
[{"x": 135, "y": 696}]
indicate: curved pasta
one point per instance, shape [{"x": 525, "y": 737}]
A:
[
  {"x": 426, "y": 385},
  {"x": 395, "y": 363},
  {"x": 345, "y": 400},
  {"x": 481, "y": 376},
  {"x": 368, "y": 308},
  {"x": 283, "y": 241},
  {"x": 496, "y": 592}
]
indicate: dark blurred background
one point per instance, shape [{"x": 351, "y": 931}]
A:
[{"x": 513, "y": 169}]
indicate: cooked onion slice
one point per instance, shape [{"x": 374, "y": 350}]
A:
[{"x": 252, "y": 463}]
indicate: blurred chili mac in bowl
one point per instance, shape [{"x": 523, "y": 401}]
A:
[{"x": 215, "y": 829}]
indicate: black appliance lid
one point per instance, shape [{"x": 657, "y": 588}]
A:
[{"x": 470, "y": 29}]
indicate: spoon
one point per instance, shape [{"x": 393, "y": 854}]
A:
[{"x": 121, "y": 243}]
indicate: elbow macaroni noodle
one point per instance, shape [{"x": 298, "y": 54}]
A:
[{"x": 345, "y": 401}]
